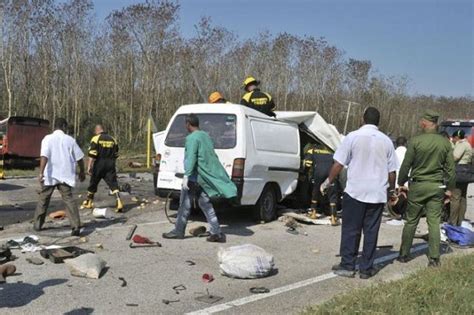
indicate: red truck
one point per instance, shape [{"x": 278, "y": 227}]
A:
[
  {"x": 20, "y": 140},
  {"x": 451, "y": 125}
]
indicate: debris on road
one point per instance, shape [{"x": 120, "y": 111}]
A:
[
  {"x": 58, "y": 215},
  {"x": 5, "y": 254},
  {"x": 131, "y": 232},
  {"x": 259, "y": 290},
  {"x": 135, "y": 164},
  {"x": 164, "y": 301},
  {"x": 141, "y": 241},
  {"x": 58, "y": 255},
  {"x": 306, "y": 219},
  {"x": 86, "y": 266},
  {"x": 5, "y": 271},
  {"x": 245, "y": 262},
  {"x": 178, "y": 288},
  {"x": 101, "y": 213},
  {"x": 190, "y": 262},
  {"x": 131, "y": 304},
  {"x": 155, "y": 244},
  {"x": 197, "y": 231},
  {"x": 124, "y": 282},
  {"x": 207, "y": 277},
  {"x": 99, "y": 246},
  {"x": 83, "y": 239},
  {"x": 35, "y": 261},
  {"x": 208, "y": 298}
]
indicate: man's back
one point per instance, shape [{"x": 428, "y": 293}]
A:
[
  {"x": 370, "y": 156},
  {"x": 62, "y": 153},
  {"x": 103, "y": 146},
  {"x": 429, "y": 157}
]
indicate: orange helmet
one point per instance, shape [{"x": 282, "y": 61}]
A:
[{"x": 215, "y": 97}]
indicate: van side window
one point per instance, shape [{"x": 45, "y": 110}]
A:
[{"x": 220, "y": 127}]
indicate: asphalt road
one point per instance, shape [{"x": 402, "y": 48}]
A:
[{"x": 303, "y": 261}]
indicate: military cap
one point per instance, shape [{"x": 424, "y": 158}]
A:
[{"x": 431, "y": 115}]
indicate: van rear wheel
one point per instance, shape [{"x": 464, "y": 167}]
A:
[{"x": 267, "y": 204}]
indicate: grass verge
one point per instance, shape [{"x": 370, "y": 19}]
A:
[{"x": 445, "y": 290}]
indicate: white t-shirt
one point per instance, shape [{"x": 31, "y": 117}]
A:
[
  {"x": 400, "y": 151},
  {"x": 62, "y": 153},
  {"x": 370, "y": 156}
]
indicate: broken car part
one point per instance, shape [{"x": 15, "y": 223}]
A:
[
  {"x": 130, "y": 232},
  {"x": 259, "y": 290},
  {"x": 124, "y": 283}
]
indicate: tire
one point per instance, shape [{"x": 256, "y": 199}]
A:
[{"x": 266, "y": 206}]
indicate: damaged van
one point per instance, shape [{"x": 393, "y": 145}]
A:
[{"x": 262, "y": 155}]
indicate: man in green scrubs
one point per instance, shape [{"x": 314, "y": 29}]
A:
[{"x": 204, "y": 178}]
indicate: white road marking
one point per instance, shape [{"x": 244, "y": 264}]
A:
[{"x": 289, "y": 287}]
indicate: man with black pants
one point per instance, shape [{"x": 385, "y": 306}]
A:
[
  {"x": 103, "y": 152},
  {"x": 372, "y": 162}
]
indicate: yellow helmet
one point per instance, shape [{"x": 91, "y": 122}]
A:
[
  {"x": 248, "y": 80},
  {"x": 215, "y": 97}
]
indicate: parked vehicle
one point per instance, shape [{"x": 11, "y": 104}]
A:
[
  {"x": 261, "y": 154},
  {"x": 451, "y": 125},
  {"x": 20, "y": 140}
]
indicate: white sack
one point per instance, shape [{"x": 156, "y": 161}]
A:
[
  {"x": 245, "y": 262},
  {"x": 87, "y": 266}
]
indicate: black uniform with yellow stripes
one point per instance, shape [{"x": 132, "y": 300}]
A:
[
  {"x": 104, "y": 149},
  {"x": 318, "y": 161},
  {"x": 260, "y": 101}
]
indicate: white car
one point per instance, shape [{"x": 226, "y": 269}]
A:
[{"x": 261, "y": 154}]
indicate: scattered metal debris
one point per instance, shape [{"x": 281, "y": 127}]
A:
[
  {"x": 124, "y": 282},
  {"x": 130, "y": 232},
  {"x": 259, "y": 290},
  {"x": 190, "y": 262},
  {"x": 179, "y": 288},
  {"x": 169, "y": 301},
  {"x": 131, "y": 304}
]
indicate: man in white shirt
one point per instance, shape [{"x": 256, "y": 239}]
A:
[
  {"x": 372, "y": 163},
  {"x": 59, "y": 156},
  {"x": 400, "y": 151}
]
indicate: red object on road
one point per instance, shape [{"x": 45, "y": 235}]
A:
[
  {"x": 138, "y": 239},
  {"x": 207, "y": 277}
]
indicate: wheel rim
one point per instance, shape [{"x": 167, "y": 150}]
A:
[{"x": 268, "y": 204}]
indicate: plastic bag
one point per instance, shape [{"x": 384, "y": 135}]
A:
[
  {"x": 459, "y": 235},
  {"x": 245, "y": 262},
  {"x": 87, "y": 266}
]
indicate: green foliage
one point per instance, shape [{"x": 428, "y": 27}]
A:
[{"x": 445, "y": 290}]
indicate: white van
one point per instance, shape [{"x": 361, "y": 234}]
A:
[{"x": 261, "y": 154}]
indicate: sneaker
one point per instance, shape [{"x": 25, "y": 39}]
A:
[
  {"x": 217, "y": 238},
  {"x": 343, "y": 272},
  {"x": 434, "y": 262},
  {"x": 367, "y": 274},
  {"x": 173, "y": 236},
  {"x": 403, "y": 259}
]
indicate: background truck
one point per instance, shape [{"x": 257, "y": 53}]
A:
[
  {"x": 20, "y": 141},
  {"x": 261, "y": 154}
]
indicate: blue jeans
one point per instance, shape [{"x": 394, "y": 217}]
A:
[
  {"x": 185, "y": 209},
  {"x": 359, "y": 216}
]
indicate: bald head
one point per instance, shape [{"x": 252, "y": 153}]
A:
[{"x": 98, "y": 129}]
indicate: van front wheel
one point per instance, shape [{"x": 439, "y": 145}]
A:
[{"x": 267, "y": 204}]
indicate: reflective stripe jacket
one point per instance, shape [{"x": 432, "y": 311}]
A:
[
  {"x": 260, "y": 101},
  {"x": 103, "y": 146}
]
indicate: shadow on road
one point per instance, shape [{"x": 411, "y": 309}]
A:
[
  {"x": 21, "y": 294},
  {"x": 10, "y": 187},
  {"x": 80, "y": 311}
]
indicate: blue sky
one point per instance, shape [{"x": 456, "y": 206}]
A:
[{"x": 431, "y": 41}]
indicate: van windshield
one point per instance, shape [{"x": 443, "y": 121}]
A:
[{"x": 220, "y": 127}]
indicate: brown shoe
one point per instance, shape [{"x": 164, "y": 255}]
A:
[
  {"x": 217, "y": 238},
  {"x": 5, "y": 271}
]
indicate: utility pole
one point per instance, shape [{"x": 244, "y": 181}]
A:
[{"x": 349, "y": 105}]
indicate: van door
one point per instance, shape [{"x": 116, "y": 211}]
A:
[
  {"x": 222, "y": 128},
  {"x": 273, "y": 156}
]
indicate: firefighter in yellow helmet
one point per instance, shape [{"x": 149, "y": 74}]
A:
[
  {"x": 256, "y": 99},
  {"x": 217, "y": 98}
]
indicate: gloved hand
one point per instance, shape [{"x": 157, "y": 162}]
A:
[
  {"x": 184, "y": 185},
  {"x": 324, "y": 186}
]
